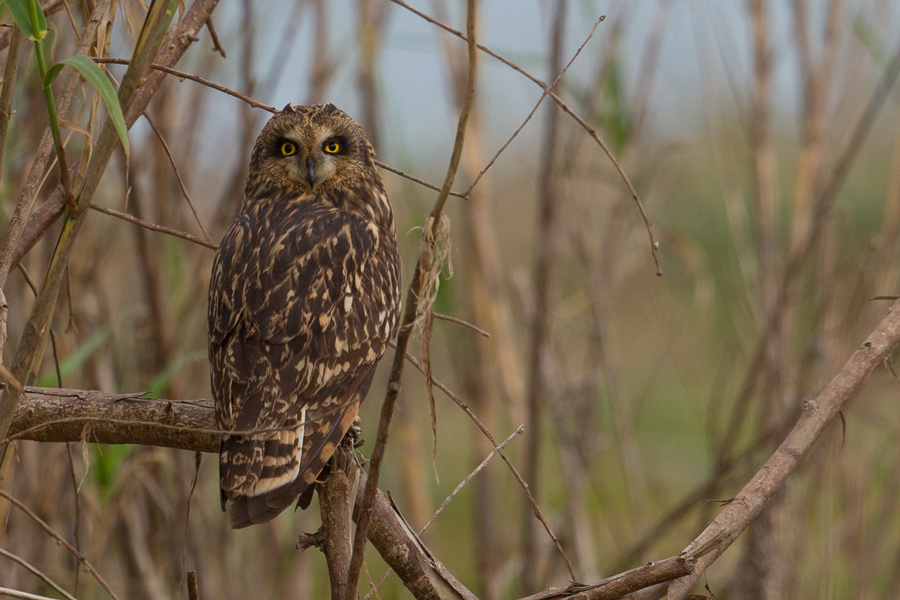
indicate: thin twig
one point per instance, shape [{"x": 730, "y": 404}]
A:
[
  {"x": 217, "y": 46},
  {"x": 198, "y": 459},
  {"x": 153, "y": 226},
  {"x": 193, "y": 586},
  {"x": 52, "y": 532},
  {"x": 9, "y": 85},
  {"x": 37, "y": 572},
  {"x": 533, "y": 110},
  {"x": 464, "y": 323},
  {"x": 654, "y": 246},
  {"x": 174, "y": 166},
  {"x": 417, "y": 180},
  {"x": 469, "y": 477},
  {"x": 9, "y": 593},
  {"x": 195, "y": 78},
  {"x": 465, "y": 407}
]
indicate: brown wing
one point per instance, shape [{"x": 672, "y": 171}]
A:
[{"x": 303, "y": 300}]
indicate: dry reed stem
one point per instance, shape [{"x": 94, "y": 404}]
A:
[
  {"x": 19, "y": 218},
  {"x": 10, "y": 73},
  {"x": 546, "y": 278},
  {"x": 10, "y": 593},
  {"x": 412, "y": 299},
  {"x": 192, "y": 585},
  {"x": 654, "y": 246}
]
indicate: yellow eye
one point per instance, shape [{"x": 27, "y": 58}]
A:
[
  {"x": 287, "y": 149},
  {"x": 332, "y": 148}
]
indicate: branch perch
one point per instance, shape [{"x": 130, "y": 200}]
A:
[{"x": 66, "y": 415}]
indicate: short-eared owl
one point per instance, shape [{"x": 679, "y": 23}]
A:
[{"x": 304, "y": 297}]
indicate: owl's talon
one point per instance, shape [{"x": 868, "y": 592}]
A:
[{"x": 309, "y": 540}]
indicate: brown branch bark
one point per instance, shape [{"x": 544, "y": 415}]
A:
[
  {"x": 817, "y": 414},
  {"x": 65, "y": 415},
  {"x": 617, "y": 586},
  {"x": 334, "y": 497}
]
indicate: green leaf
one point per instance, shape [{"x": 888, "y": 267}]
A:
[
  {"x": 29, "y": 18},
  {"x": 100, "y": 82}
]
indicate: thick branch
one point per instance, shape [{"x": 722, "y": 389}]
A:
[
  {"x": 334, "y": 498},
  {"x": 63, "y": 415}
]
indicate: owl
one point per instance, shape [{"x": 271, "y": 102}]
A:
[{"x": 304, "y": 298}]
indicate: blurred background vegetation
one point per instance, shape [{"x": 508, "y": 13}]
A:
[{"x": 763, "y": 139}]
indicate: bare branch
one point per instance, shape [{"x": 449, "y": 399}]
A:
[
  {"x": 190, "y": 425},
  {"x": 334, "y": 497},
  {"x": 52, "y": 532},
  {"x": 37, "y": 572},
  {"x": 816, "y": 416},
  {"x": 614, "y": 587},
  {"x": 153, "y": 226}
]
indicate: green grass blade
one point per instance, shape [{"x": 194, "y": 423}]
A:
[
  {"x": 95, "y": 76},
  {"x": 29, "y": 18},
  {"x": 20, "y": 14}
]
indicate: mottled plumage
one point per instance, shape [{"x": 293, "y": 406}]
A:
[{"x": 303, "y": 300}]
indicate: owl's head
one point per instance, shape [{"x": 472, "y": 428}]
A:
[{"x": 309, "y": 149}]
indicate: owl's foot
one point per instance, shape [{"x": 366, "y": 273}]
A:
[
  {"x": 346, "y": 450},
  {"x": 309, "y": 540}
]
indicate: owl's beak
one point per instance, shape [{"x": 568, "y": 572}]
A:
[{"x": 311, "y": 172}]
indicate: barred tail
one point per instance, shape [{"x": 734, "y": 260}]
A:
[{"x": 260, "y": 478}]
